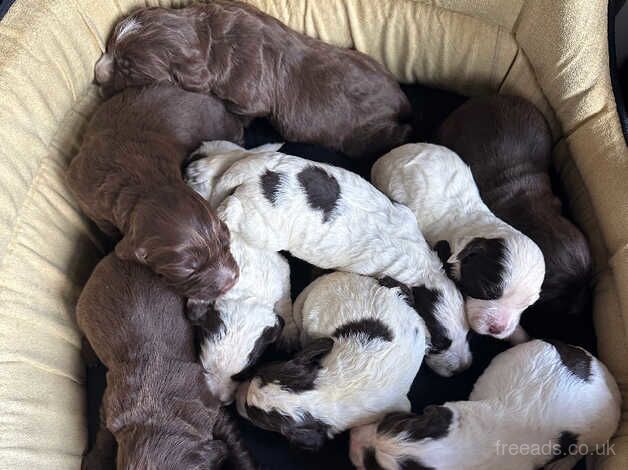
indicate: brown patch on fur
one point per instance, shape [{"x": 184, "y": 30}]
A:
[
  {"x": 299, "y": 373},
  {"x": 575, "y": 359},
  {"x": 406, "y": 292},
  {"x": 308, "y": 433},
  {"x": 507, "y": 143},
  {"x": 156, "y": 403},
  {"x": 270, "y": 182},
  {"x": 127, "y": 178},
  {"x": 268, "y": 336},
  {"x": 350, "y": 100},
  {"x": 425, "y": 304},
  {"x": 321, "y": 190},
  {"x": 443, "y": 250},
  {"x": 433, "y": 423},
  {"x": 482, "y": 262},
  {"x": 368, "y": 329},
  {"x": 210, "y": 324}
]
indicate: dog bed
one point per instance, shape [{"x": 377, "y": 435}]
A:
[{"x": 554, "y": 53}]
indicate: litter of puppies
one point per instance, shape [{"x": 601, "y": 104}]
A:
[{"x": 438, "y": 244}]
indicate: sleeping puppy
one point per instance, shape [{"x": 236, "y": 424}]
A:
[
  {"x": 363, "y": 344},
  {"x": 549, "y": 400},
  {"x": 332, "y": 219},
  {"x": 261, "y": 68},
  {"x": 246, "y": 320},
  {"x": 127, "y": 178},
  {"x": 156, "y": 403},
  {"x": 498, "y": 269},
  {"x": 507, "y": 143}
]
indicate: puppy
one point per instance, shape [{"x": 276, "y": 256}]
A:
[
  {"x": 498, "y": 269},
  {"x": 156, "y": 403},
  {"x": 548, "y": 401},
  {"x": 332, "y": 219},
  {"x": 127, "y": 178},
  {"x": 245, "y": 320},
  {"x": 260, "y": 67},
  {"x": 363, "y": 346},
  {"x": 507, "y": 143}
]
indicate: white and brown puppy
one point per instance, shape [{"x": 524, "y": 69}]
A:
[
  {"x": 332, "y": 219},
  {"x": 246, "y": 320},
  {"x": 498, "y": 269},
  {"x": 363, "y": 346},
  {"x": 537, "y": 404}
]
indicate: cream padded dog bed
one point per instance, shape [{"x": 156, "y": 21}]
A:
[{"x": 554, "y": 52}]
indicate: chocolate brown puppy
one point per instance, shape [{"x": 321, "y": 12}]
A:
[
  {"x": 311, "y": 91},
  {"x": 507, "y": 143},
  {"x": 156, "y": 405},
  {"x": 127, "y": 178}
]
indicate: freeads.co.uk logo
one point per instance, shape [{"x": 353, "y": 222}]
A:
[{"x": 553, "y": 449}]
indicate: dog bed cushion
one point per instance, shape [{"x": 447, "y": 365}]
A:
[{"x": 554, "y": 53}]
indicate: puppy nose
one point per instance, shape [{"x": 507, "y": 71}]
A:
[{"x": 495, "y": 329}]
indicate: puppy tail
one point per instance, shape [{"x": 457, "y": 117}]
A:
[{"x": 226, "y": 430}]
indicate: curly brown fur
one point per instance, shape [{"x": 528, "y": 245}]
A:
[
  {"x": 507, "y": 143},
  {"x": 127, "y": 178},
  {"x": 226, "y": 430},
  {"x": 311, "y": 91},
  {"x": 156, "y": 404}
]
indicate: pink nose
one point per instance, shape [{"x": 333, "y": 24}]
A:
[{"x": 496, "y": 328}]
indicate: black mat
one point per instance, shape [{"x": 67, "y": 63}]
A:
[
  {"x": 271, "y": 451},
  {"x": 4, "y": 7}
]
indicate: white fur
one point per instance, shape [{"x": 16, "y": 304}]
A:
[
  {"x": 261, "y": 293},
  {"x": 439, "y": 189},
  {"x": 250, "y": 306},
  {"x": 127, "y": 26},
  {"x": 359, "y": 380},
  {"x": 366, "y": 234},
  {"x": 525, "y": 397}
]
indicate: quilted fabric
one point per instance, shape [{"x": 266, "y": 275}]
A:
[{"x": 552, "y": 52}]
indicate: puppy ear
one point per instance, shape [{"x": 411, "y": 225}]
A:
[
  {"x": 481, "y": 266},
  {"x": 310, "y": 435},
  {"x": 192, "y": 73},
  {"x": 127, "y": 250},
  {"x": 313, "y": 352}
]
